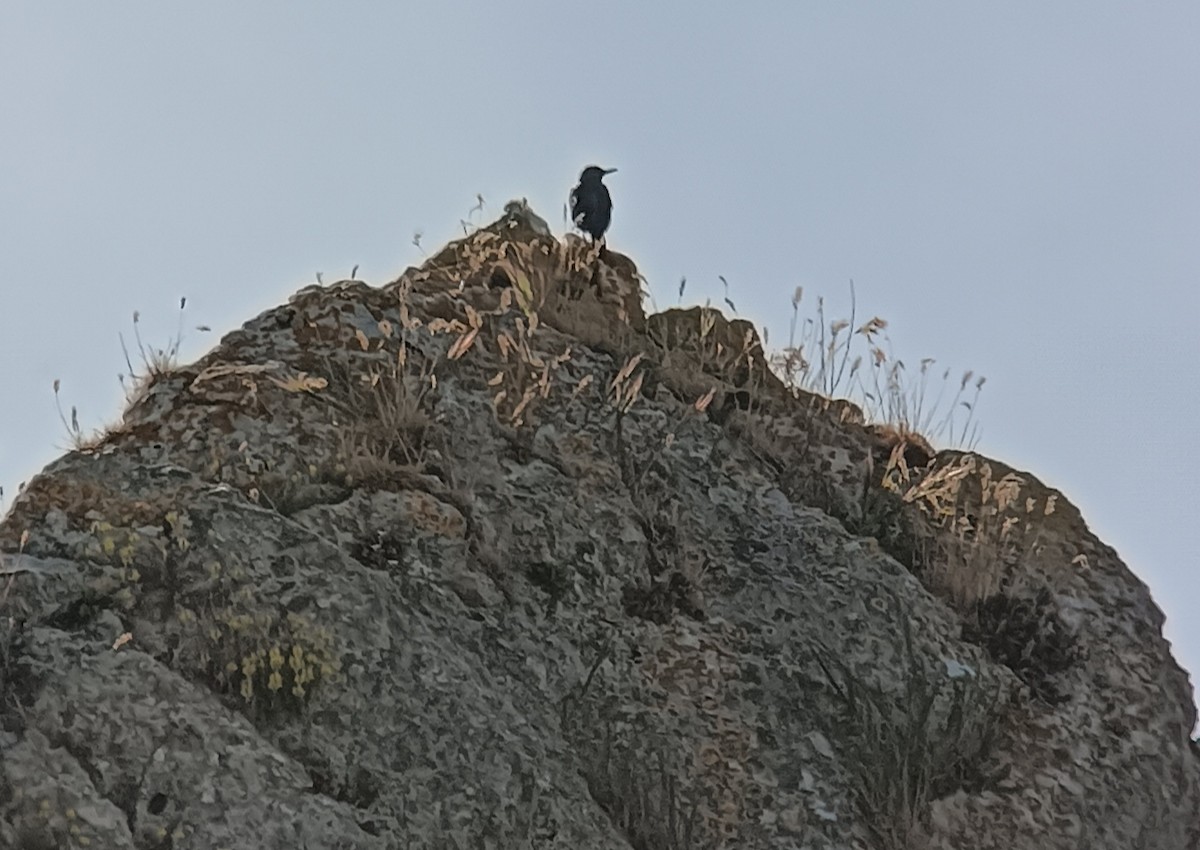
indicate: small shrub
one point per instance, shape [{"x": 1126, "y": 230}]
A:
[
  {"x": 383, "y": 551},
  {"x": 553, "y": 579},
  {"x": 1024, "y": 632},
  {"x": 663, "y": 599}
]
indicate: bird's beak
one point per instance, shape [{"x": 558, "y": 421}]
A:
[{"x": 609, "y": 170}]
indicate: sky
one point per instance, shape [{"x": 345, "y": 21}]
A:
[{"x": 1015, "y": 187}]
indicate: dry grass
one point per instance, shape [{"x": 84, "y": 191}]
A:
[
  {"x": 913, "y": 746},
  {"x": 10, "y": 564},
  {"x": 703, "y": 341},
  {"x": 633, "y": 771},
  {"x": 379, "y": 395},
  {"x": 154, "y": 363},
  {"x": 77, "y": 438},
  {"x": 975, "y": 538},
  {"x": 390, "y": 427},
  {"x": 512, "y": 279},
  {"x": 525, "y": 377},
  {"x": 515, "y": 265},
  {"x": 973, "y": 528},
  {"x": 837, "y": 359},
  {"x": 643, "y": 797}
]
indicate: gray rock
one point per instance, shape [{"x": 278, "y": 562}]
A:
[{"x": 409, "y": 567}]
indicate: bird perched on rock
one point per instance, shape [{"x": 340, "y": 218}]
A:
[{"x": 591, "y": 205}]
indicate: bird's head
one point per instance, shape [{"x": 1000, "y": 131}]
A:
[{"x": 594, "y": 174}]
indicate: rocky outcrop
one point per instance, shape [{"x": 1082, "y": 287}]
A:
[{"x": 485, "y": 557}]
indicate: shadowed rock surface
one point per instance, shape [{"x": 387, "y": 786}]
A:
[{"x": 486, "y": 557}]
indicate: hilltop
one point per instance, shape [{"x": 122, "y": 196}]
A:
[{"x": 488, "y": 557}]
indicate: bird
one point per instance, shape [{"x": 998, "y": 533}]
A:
[{"x": 591, "y": 205}]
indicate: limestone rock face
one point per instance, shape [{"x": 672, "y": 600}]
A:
[{"x": 485, "y": 557}]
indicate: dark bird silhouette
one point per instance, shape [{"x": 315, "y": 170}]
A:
[{"x": 591, "y": 205}]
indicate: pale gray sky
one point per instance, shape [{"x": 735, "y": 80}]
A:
[{"x": 1016, "y": 188}]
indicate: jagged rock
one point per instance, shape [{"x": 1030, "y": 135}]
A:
[{"x": 485, "y": 557}]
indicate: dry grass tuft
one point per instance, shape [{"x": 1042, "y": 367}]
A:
[
  {"x": 155, "y": 363},
  {"x": 10, "y": 565},
  {"x": 635, "y": 773},
  {"x": 77, "y": 438},
  {"x": 643, "y": 798},
  {"x": 975, "y": 540},
  {"x": 391, "y": 426},
  {"x": 973, "y": 528},
  {"x": 379, "y": 394},
  {"x": 835, "y": 358},
  {"x": 915, "y": 745}
]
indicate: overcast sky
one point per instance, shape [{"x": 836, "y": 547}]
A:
[{"x": 1015, "y": 187}]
